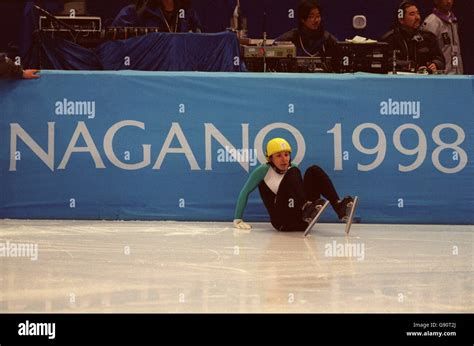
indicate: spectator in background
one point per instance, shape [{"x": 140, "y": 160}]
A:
[
  {"x": 444, "y": 25},
  {"x": 8, "y": 69},
  {"x": 416, "y": 46},
  {"x": 167, "y": 15},
  {"x": 310, "y": 38}
]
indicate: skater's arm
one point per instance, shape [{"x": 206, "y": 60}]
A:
[{"x": 252, "y": 182}]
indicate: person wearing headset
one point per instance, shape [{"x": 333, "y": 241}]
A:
[{"x": 412, "y": 45}]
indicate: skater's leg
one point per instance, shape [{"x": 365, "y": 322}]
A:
[
  {"x": 289, "y": 201},
  {"x": 317, "y": 183},
  {"x": 291, "y": 191},
  {"x": 281, "y": 219}
]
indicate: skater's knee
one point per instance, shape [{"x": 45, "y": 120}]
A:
[
  {"x": 294, "y": 171},
  {"x": 293, "y": 174},
  {"x": 315, "y": 170}
]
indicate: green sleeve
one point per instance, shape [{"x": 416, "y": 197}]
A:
[{"x": 252, "y": 182}]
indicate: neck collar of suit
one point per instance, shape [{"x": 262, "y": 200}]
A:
[
  {"x": 450, "y": 17},
  {"x": 408, "y": 32}
]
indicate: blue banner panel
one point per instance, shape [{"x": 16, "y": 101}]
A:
[{"x": 179, "y": 146}]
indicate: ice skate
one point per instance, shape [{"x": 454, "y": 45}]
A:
[
  {"x": 345, "y": 210},
  {"x": 312, "y": 211}
]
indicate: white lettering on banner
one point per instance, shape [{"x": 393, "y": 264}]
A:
[
  {"x": 75, "y": 108},
  {"x": 37, "y": 329},
  {"x": 380, "y": 149},
  {"x": 184, "y": 149},
  {"x": 47, "y": 157},
  {"x": 213, "y": 132},
  {"x": 410, "y": 108},
  {"x": 109, "y": 150},
  {"x": 81, "y": 130},
  {"x": 246, "y": 156},
  {"x": 420, "y": 150},
  {"x": 461, "y": 136}
]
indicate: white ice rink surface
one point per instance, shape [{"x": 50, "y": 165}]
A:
[{"x": 93, "y": 266}]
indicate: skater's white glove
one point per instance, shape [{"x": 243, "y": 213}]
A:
[{"x": 240, "y": 224}]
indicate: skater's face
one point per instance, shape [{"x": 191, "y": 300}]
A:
[{"x": 281, "y": 160}]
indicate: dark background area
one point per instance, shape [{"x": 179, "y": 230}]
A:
[{"x": 215, "y": 16}]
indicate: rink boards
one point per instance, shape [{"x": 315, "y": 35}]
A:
[{"x": 180, "y": 146}]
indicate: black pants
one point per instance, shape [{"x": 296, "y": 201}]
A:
[{"x": 285, "y": 208}]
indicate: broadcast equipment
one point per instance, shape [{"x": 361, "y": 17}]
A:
[
  {"x": 116, "y": 33},
  {"x": 85, "y": 31},
  {"x": 93, "y": 38},
  {"x": 279, "y": 51},
  {"x": 85, "y": 24},
  {"x": 274, "y": 58},
  {"x": 272, "y": 64},
  {"x": 363, "y": 57},
  {"x": 313, "y": 65}
]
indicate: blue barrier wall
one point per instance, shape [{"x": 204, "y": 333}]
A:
[{"x": 133, "y": 145}]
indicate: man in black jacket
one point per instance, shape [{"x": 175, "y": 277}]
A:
[
  {"x": 416, "y": 47},
  {"x": 8, "y": 69}
]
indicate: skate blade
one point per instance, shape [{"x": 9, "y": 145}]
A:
[
  {"x": 318, "y": 208},
  {"x": 351, "y": 215},
  {"x": 316, "y": 218}
]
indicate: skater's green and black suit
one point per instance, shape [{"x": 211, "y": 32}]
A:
[{"x": 285, "y": 207}]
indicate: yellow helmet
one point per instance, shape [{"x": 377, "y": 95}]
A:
[{"x": 277, "y": 145}]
